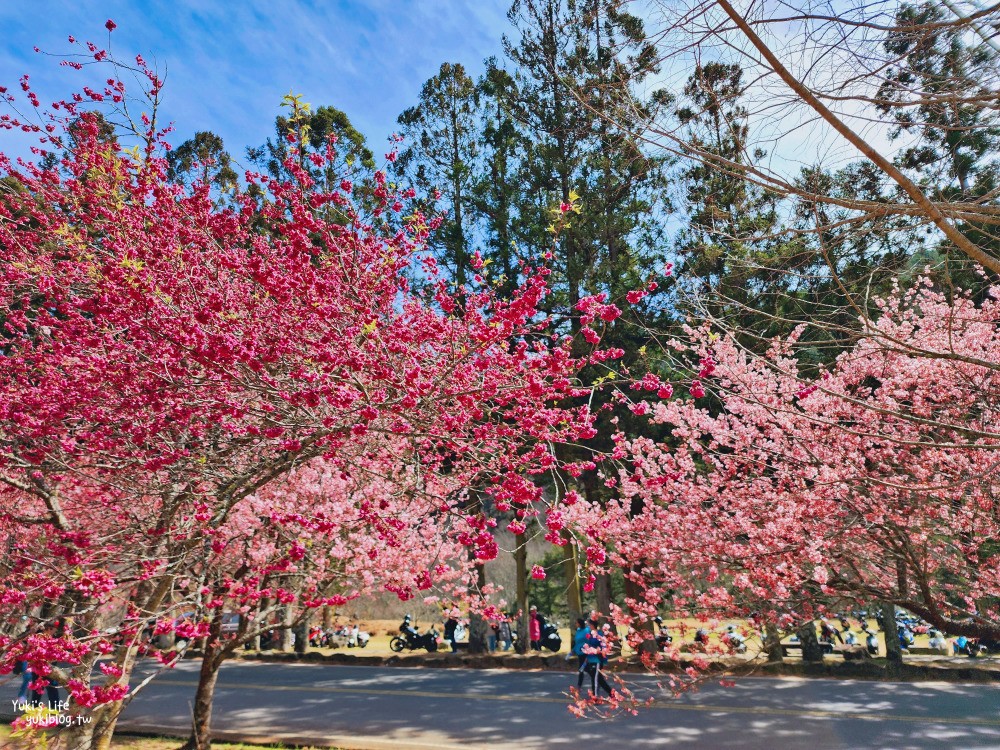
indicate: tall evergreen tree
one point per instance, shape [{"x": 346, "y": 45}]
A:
[
  {"x": 441, "y": 136},
  {"x": 497, "y": 190},
  {"x": 941, "y": 93},
  {"x": 312, "y": 132},
  {"x": 570, "y": 58},
  {"x": 203, "y": 157},
  {"x": 558, "y": 128},
  {"x": 726, "y": 212},
  {"x": 937, "y": 94}
]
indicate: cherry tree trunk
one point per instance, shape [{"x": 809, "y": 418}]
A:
[
  {"x": 477, "y": 625},
  {"x": 201, "y": 717},
  {"x": 571, "y": 570},
  {"x": 634, "y": 591},
  {"x": 302, "y": 636},
  {"x": 215, "y": 654},
  {"x": 255, "y": 642},
  {"x": 602, "y": 590},
  {"x": 772, "y": 643},
  {"x": 93, "y": 736},
  {"x": 811, "y": 650},
  {"x": 327, "y": 618},
  {"x": 103, "y": 727},
  {"x": 287, "y": 638},
  {"x": 893, "y": 652},
  {"x": 97, "y": 734}
]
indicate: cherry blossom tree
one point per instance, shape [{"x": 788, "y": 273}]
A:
[
  {"x": 166, "y": 359},
  {"x": 794, "y": 490},
  {"x": 321, "y": 536}
]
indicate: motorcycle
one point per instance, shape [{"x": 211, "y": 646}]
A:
[
  {"x": 871, "y": 642},
  {"x": 550, "y": 637},
  {"x": 411, "y": 639},
  {"x": 318, "y": 638},
  {"x": 734, "y": 640},
  {"x": 663, "y": 637},
  {"x": 906, "y": 637},
  {"x": 358, "y": 638},
  {"x": 972, "y": 646},
  {"x": 338, "y": 637},
  {"x": 988, "y": 646}
]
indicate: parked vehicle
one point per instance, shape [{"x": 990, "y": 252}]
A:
[
  {"x": 988, "y": 646},
  {"x": 411, "y": 638},
  {"x": 663, "y": 637},
  {"x": 358, "y": 638},
  {"x": 734, "y": 640},
  {"x": 975, "y": 646},
  {"x": 337, "y": 637},
  {"x": 906, "y": 637},
  {"x": 318, "y": 638},
  {"x": 550, "y": 637},
  {"x": 174, "y": 637}
]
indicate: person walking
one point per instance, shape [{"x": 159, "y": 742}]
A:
[
  {"x": 492, "y": 634},
  {"x": 579, "y": 641},
  {"x": 26, "y": 679},
  {"x": 504, "y": 633},
  {"x": 534, "y": 628},
  {"x": 450, "y": 626},
  {"x": 51, "y": 630},
  {"x": 595, "y": 647}
]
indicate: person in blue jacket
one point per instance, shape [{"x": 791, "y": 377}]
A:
[
  {"x": 595, "y": 650},
  {"x": 579, "y": 638}
]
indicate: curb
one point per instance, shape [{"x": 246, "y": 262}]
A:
[{"x": 873, "y": 669}]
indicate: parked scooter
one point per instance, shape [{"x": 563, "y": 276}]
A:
[
  {"x": 358, "y": 638},
  {"x": 550, "y": 637},
  {"x": 871, "y": 642},
  {"x": 663, "y": 638},
  {"x": 734, "y": 640}
]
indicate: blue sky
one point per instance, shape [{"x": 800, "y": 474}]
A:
[{"x": 229, "y": 63}]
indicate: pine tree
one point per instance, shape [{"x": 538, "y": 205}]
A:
[
  {"x": 203, "y": 157},
  {"x": 941, "y": 93},
  {"x": 571, "y": 58},
  {"x": 441, "y": 136},
  {"x": 312, "y": 132},
  {"x": 497, "y": 190},
  {"x": 723, "y": 247}
]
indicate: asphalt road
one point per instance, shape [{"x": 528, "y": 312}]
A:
[{"x": 401, "y": 708}]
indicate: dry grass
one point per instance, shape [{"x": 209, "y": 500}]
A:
[{"x": 382, "y": 631}]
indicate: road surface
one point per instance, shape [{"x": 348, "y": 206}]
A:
[{"x": 405, "y": 708}]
